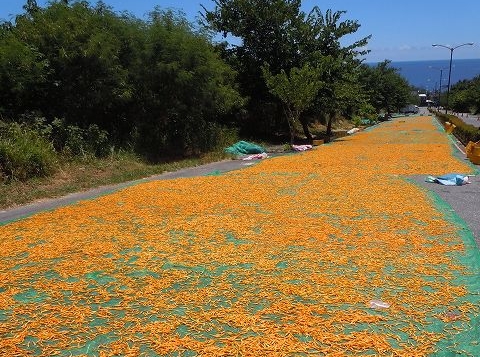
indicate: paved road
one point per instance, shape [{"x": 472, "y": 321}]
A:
[
  {"x": 466, "y": 117},
  {"x": 464, "y": 200},
  {"x": 470, "y": 119}
]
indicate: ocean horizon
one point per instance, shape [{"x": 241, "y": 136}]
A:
[{"x": 425, "y": 74}]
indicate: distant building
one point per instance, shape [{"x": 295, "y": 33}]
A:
[{"x": 423, "y": 99}]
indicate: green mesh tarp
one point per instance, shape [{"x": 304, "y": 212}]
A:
[
  {"x": 285, "y": 259},
  {"x": 244, "y": 148}
]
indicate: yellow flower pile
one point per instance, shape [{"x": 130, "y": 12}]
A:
[{"x": 278, "y": 259}]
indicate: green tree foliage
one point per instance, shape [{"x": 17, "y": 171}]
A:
[
  {"x": 268, "y": 32},
  {"x": 23, "y": 72},
  {"x": 157, "y": 85},
  {"x": 185, "y": 86},
  {"x": 278, "y": 33},
  {"x": 297, "y": 90},
  {"x": 89, "y": 51},
  {"x": 465, "y": 96},
  {"x": 385, "y": 88},
  {"x": 321, "y": 39},
  {"x": 367, "y": 112},
  {"x": 31, "y": 7}
]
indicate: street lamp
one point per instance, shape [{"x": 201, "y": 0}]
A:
[
  {"x": 450, "y": 69},
  {"x": 440, "y": 87}
]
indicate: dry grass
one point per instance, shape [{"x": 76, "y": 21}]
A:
[{"x": 78, "y": 176}]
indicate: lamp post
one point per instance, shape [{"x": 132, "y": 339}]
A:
[
  {"x": 440, "y": 87},
  {"x": 450, "y": 68}
]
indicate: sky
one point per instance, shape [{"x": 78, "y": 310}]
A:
[{"x": 402, "y": 30}]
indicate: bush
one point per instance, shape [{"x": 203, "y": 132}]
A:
[
  {"x": 71, "y": 140},
  {"x": 24, "y": 153},
  {"x": 464, "y": 132},
  {"x": 199, "y": 138}
]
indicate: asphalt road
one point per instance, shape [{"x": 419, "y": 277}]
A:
[
  {"x": 470, "y": 119},
  {"x": 466, "y": 117},
  {"x": 464, "y": 200}
]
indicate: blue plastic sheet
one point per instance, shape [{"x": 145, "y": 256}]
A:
[{"x": 449, "y": 179}]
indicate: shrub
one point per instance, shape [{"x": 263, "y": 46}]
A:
[
  {"x": 24, "y": 153},
  {"x": 200, "y": 139},
  {"x": 74, "y": 141},
  {"x": 464, "y": 132}
]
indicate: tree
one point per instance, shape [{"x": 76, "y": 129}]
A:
[
  {"x": 278, "y": 33},
  {"x": 31, "y": 7},
  {"x": 268, "y": 31},
  {"x": 321, "y": 43},
  {"x": 267, "y": 28},
  {"x": 340, "y": 94},
  {"x": 465, "y": 96},
  {"x": 474, "y": 95},
  {"x": 297, "y": 90},
  {"x": 23, "y": 73},
  {"x": 156, "y": 85},
  {"x": 89, "y": 51},
  {"x": 386, "y": 88},
  {"x": 184, "y": 87}
]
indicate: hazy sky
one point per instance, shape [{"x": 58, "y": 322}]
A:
[{"x": 402, "y": 30}]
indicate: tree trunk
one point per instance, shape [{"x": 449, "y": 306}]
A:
[
  {"x": 329, "y": 127},
  {"x": 291, "y": 123},
  {"x": 292, "y": 135},
  {"x": 306, "y": 131},
  {"x": 290, "y": 115}
]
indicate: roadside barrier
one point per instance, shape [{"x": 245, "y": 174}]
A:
[
  {"x": 449, "y": 127},
  {"x": 473, "y": 152}
]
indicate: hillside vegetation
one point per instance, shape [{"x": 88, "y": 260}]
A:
[{"x": 81, "y": 82}]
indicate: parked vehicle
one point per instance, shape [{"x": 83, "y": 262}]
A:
[{"x": 409, "y": 109}]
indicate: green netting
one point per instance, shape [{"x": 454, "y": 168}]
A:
[
  {"x": 465, "y": 341},
  {"x": 214, "y": 173},
  {"x": 234, "y": 281}
]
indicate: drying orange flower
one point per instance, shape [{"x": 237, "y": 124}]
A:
[{"x": 278, "y": 259}]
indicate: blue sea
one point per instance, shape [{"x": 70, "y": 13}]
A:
[{"x": 426, "y": 74}]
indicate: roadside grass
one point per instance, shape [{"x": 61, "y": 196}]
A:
[{"x": 75, "y": 176}]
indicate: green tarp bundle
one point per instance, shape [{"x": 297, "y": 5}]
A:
[{"x": 244, "y": 148}]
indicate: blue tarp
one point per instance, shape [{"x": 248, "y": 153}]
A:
[{"x": 449, "y": 179}]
